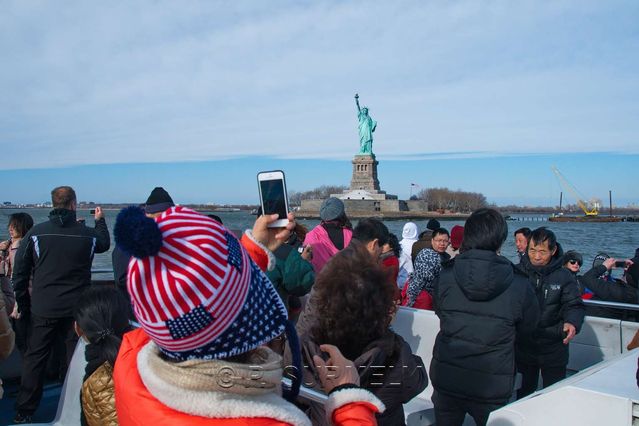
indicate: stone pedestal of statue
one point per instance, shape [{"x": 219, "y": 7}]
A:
[
  {"x": 364, "y": 181},
  {"x": 364, "y": 173}
]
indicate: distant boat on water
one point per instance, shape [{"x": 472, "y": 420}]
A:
[
  {"x": 590, "y": 209},
  {"x": 586, "y": 219}
]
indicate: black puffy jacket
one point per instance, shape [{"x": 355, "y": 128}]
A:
[
  {"x": 611, "y": 291},
  {"x": 482, "y": 302},
  {"x": 60, "y": 253},
  {"x": 560, "y": 302}
]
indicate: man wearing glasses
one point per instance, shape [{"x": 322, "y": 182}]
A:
[{"x": 440, "y": 241}]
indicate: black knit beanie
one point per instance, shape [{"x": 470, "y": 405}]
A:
[
  {"x": 158, "y": 201},
  {"x": 433, "y": 224}
]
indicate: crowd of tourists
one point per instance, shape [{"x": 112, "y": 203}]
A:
[{"x": 201, "y": 325}]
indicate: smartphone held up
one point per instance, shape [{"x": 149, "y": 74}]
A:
[{"x": 273, "y": 196}]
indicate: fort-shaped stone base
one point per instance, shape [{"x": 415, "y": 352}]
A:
[
  {"x": 365, "y": 173},
  {"x": 365, "y": 197}
]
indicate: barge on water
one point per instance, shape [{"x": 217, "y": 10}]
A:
[
  {"x": 593, "y": 219},
  {"x": 591, "y": 214}
]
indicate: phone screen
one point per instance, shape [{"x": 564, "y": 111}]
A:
[
  {"x": 620, "y": 264},
  {"x": 273, "y": 197}
]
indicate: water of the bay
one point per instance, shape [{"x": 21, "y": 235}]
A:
[{"x": 619, "y": 240}]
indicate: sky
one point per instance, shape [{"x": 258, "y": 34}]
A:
[{"x": 115, "y": 98}]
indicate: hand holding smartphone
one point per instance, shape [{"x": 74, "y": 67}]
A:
[{"x": 273, "y": 196}]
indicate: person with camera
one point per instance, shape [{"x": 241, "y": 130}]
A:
[
  {"x": 194, "y": 359},
  {"x": 598, "y": 284},
  {"x": 59, "y": 253}
]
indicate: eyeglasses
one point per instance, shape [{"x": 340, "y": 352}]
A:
[
  {"x": 441, "y": 240},
  {"x": 575, "y": 262}
]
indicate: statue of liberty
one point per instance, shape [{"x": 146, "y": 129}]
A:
[{"x": 366, "y": 128}]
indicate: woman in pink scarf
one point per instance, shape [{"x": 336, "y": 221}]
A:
[{"x": 331, "y": 235}]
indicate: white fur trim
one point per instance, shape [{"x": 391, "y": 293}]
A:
[
  {"x": 216, "y": 404},
  {"x": 269, "y": 254},
  {"x": 345, "y": 396}
]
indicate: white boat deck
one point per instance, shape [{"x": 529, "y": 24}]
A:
[
  {"x": 605, "y": 394},
  {"x": 612, "y": 377}
]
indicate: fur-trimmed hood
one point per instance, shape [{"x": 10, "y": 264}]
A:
[
  {"x": 144, "y": 398},
  {"x": 214, "y": 404}
]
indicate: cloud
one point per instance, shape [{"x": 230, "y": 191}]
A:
[{"x": 100, "y": 83}]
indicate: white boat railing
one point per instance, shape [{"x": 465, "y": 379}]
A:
[{"x": 614, "y": 305}]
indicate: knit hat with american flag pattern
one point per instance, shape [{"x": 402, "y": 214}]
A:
[{"x": 194, "y": 289}]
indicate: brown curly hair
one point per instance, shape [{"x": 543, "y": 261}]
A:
[{"x": 355, "y": 299}]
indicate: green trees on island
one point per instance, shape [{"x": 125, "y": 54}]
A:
[
  {"x": 295, "y": 197},
  {"x": 454, "y": 201}
]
